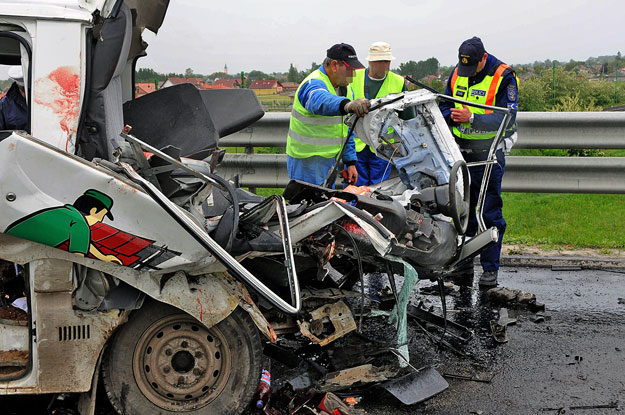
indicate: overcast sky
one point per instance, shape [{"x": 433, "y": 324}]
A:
[{"x": 268, "y": 36}]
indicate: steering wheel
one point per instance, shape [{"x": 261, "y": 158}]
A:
[{"x": 459, "y": 212}]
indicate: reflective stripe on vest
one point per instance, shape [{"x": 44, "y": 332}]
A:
[
  {"x": 392, "y": 84},
  {"x": 315, "y": 135},
  {"x": 484, "y": 93}
]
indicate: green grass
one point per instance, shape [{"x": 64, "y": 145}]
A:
[
  {"x": 565, "y": 220},
  {"x": 275, "y": 99},
  {"x": 266, "y": 192}
]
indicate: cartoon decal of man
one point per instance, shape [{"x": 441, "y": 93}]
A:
[{"x": 69, "y": 223}]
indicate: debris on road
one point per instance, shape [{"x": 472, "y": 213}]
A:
[
  {"x": 514, "y": 298},
  {"x": 565, "y": 409},
  {"x": 499, "y": 327},
  {"x": 346, "y": 378},
  {"x": 431, "y": 320},
  {"x": 473, "y": 378},
  {"x": 416, "y": 386}
]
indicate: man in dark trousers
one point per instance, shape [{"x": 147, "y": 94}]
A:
[
  {"x": 482, "y": 78},
  {"x": 13, "y": 107}
]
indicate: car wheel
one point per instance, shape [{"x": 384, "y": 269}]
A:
[{"x": 164, "y": 361}]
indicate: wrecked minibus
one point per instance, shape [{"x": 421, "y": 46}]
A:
[{"x": 141, "y": 267}]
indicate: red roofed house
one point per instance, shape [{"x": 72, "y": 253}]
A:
[
  {"x": 229, "y": 83},
  {"x": 206, "y": 86},
  {"x": 144, "y": 88},
  {"x": 290, "y": 86},
  {"x": 266, "y": 87}
]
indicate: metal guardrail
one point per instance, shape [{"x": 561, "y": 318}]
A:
[{"x": 537, "y": 130}]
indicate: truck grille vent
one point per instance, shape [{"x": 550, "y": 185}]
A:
[{"x": 67, "y": 333}]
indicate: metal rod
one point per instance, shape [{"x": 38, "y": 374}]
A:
[
  {"x": 473, "y": 104},
  {"x": 492, "y": 156},
  {"x": 200, "y": 235}
]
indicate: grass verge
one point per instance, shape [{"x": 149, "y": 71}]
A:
[{"x": 565, "y": 220}]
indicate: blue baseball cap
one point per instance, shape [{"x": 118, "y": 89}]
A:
[{"x": 470, "y": 54}]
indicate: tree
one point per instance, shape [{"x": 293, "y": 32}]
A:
[
  {"x": 256, "y": 75},
  {"x": 188, "y": 72},
  {"x": 222, "y": 75},
  {"x": 293, "y": 75},
  {"x": 148, "y": 75},
  {"x": 303, "y": 74},
  {"x": 419, "y": 70}
]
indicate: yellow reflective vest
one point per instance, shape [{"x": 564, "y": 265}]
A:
[
  {"x": 482, "y": 93},
  {"x": 392, "y": 84},
  {"x": 315, "y": 135}
]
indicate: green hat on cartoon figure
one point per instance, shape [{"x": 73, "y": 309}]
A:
[{"x": 106, "y": 201}]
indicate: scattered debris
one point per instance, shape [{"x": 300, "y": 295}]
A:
[
  {"x": 499, "y": 327},
  {"x": 416, "y": 386},
  {"x": 565, "y": 409},
  {"x": 566, "y": 268},
  {"x": 514, "y": 298},
  {"x": 621, "y": 300},
  {"x": 346, "y": 378},
  {"x": 433, "y": 290},
  {"x": 338, "y": 315},
  {"x": 476, "y": 411},
  {"x": 577, "y": 360},
  {"x": 451, "y": 328},
  {"x": 473, "y": 378},
  {"x": 333, "y": 405},
  {"x": 539, "y": 318}
]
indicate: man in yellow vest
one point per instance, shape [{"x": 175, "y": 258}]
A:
[
  {"x": 481, "y": 78},
  {"x": 316, "y": 129},
  {"x": 376, "y": 82}
]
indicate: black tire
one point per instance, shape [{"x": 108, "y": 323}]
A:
[{"x": 163, "y": 361}]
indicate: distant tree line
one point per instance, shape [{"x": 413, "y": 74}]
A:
[{"x": 574, "y": 90}]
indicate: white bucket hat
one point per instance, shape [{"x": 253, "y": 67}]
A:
[
  {"x": 380, "y": 51},
  {"x": 15, "y": 73}
]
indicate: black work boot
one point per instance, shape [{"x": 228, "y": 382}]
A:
[{"x": 488, "y": 279}]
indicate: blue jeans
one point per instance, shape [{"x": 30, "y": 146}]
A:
[{"x": 371, "y": 168}]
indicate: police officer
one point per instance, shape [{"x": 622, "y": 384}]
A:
[
  {"x": 13, "y": 108},
  {"x": 481, "y": 78},
  {"x": 316, "y": 129},
  {"x": 376, "y": 82}
]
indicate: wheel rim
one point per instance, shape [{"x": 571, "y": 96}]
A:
[{"x": 180, "y": 365}]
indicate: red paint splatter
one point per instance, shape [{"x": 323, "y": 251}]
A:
[
  {"x": 63, "y": 99},
  {"x": 201, "y": 309},
  {"x": 352, "y": 227}
]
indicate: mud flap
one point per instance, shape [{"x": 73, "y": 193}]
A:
[{"x": 417, "y": 386}]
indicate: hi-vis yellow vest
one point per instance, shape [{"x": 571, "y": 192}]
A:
[
  {"x": 482, "y": 93},
  {"x": 315, "y": 135},
  {"x": 392, "y": 84}
]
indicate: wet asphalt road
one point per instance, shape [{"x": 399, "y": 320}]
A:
[{"x": 575, "y": 358}]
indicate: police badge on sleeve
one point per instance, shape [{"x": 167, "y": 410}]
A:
[{"x": 511, "y": 93}]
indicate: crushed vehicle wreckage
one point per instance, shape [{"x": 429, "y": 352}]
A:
[{"x": 167, "y": 300}]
